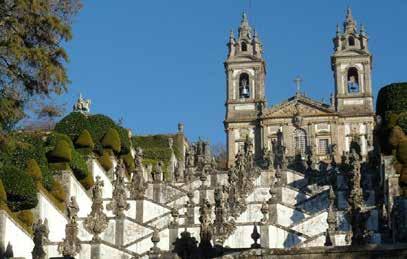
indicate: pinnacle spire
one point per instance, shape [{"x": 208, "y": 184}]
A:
[
  {"x": 349, "y": 24},
  {"x": 245, "y": 30}
]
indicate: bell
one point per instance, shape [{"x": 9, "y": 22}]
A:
[{"x": 245, "y": 91}]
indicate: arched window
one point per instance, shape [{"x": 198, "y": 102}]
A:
[
  {"x": 351, "y": 41},
  {"x": 244, "y": 46},
  {"x": 353, "y": 80},
  {"x": 244, "y": 89},
  {"x": 300, "y": 141}
]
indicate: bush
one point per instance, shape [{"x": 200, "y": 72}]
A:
[
  {"x": 128, "y": 161},
  {"x": 26, "y": 216},
  {"x": 32, "y": 147},
  {"x": 3, "y": 194},
  {"x": 402, "y": 121},
  {"x": 88, "y": 182},
  {"x": 78, "y": 165},
  {"x": 85, "y": 140},
  {"x": 402, "y": 152},
  {"x": 392, "y": 98},
  {"x": 34, "y": 171},
  {"x": 20, "y": 189},
  {"x": 62, "y": 153},
  {"x": 111, "y": 140},
  {"x": 105, "y": 161},
  {"x": 73, "y": 125},
  {"x": 58, "y": 192}
]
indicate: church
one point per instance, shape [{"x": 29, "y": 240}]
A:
[{"x": 302, "y": 124}]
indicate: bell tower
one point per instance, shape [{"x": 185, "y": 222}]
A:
[
  {"x": 245, "y": 96},
  {"x": 351, "y": 65}
]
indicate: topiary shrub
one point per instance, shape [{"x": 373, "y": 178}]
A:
[
  {"x": 26, "y": 216},
  {"x": 402, "y": 121},
  {"x": 392, "y": 98},
  {"x": 3, "y": 194},
  {"x": 78, "y": 165},
  {"x": 34, "y": 171},
  {"x": 73, "y": 125},
  {"x": 111, "y": 140},
  {"x": 105, "y": 161},
  {"x": 58, "y": 192},
  {"x": 85, "y": 140},
  {"x": 62, "y": 153},
  {"x": 20, "y": 189},
  {"x": 128, "y": 161},
  {"x": 88, "y": 182},
  {"x": 32, "y": 147}
]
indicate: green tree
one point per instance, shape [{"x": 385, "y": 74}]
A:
[{"x": 32, "y": 56}]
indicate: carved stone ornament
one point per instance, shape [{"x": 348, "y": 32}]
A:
[
  {"x": 119, "y": 197},
  {"x": 96, "y": 222},
  {"x": 137, "y": 185},
  {"x": 222, "y": 227},
  {"x": 82, "y": 105},
  {"x": 40, "y": 232}
]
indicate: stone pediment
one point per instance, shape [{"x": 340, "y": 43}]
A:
[{"x": 299, "y": 106}]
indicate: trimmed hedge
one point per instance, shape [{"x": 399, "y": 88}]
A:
[
  {"x": 392, "y": 98},
  {"x": 88, "y": 182},
  {"x": 85, "y": 140},
  {"x": 31, "y": 147},
  {"x": 78, "y": 165},
  {"x": 26, "y": 216},
  {"x": 62, "y": 152},
  {"x": 3, "y": 194},
  {"x": 20, "y": 189},
  {"x": 128, "y": 161},
  {"x": 58, "y": 192},
  {"x": 105, "y": 161},
  {"x": 34, "y": 171},
  {"x": 97, "y": 126},
  {"x": 111, "y": 140}
]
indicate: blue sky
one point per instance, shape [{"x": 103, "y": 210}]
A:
[{"x": 157, "y": 62}]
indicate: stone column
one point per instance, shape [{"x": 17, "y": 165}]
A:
[
  {"x": 119, "y": 231},
  {"x": 139, "y": 211},
  {"x": 156, "y": 192},
  {"x": 2, "y": 229},
  {"x": 231, "y": 146},
  {"x": 95, "y": 251},
  {"x": 264, "y": 235},
  {"x": 173, "y": 234}
]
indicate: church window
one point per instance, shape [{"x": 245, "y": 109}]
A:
[
  {"x": 351, "y": 41},
  {"x": 244, "y": 46},
  {"x": 244, "y": 89},
  {"x": 353, "y": 80},
  {"x": 323, "y": 146},
  {"x": 300, "y": 140}
]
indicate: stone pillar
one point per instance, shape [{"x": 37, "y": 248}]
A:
[
  {"x": 156, "y": 192},
  {"x": 119, "y": 231},
  {"x": 273, "y": 213},
  {"x": 2, "y": 229},
  {"x": 95, "y": 251},
  {"x": 173, "y": 234},
  {"x": 139, "y": 211},
  {"x": 230, "y": 135},
  {"x": 264, "y": 236}
]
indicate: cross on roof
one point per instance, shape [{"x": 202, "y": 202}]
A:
[{"x": 298, "y": 81}]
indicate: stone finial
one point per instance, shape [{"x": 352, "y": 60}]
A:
[
  {"x": 155, "y": 239},
  {"x": 40, "y": 238},
  {"x": 70, "y": 245},
  {"x": 119, "y": 197},
  {"x": 180, "y": 127},
  {"x": 82, "y": 105},
  {"x": 96, "y": 222},
  {"x": 255, "y": 236}
]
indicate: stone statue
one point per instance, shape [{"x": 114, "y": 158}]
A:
[
  {"x": 157, "y": 173},
  {"x": 72, "y": 209},
  {"x": 119, "y": 197},
  {"x": 96, "y": 222},
  {"x": 70, "y": 245},
  {"x": 206, "y": 227},
  {"x": 82, "y": 105},
  {"x": 222, "y": 228},
  {"x": 40, "y": 233},
  {"x": 137, "y": 186}
]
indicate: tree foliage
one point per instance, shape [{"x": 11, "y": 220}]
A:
[{"x": 32, "y": 56}]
